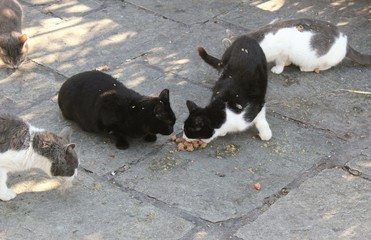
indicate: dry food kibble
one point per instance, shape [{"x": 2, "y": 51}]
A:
[
  {"x": 316, "y": 70},
  {"x": 257, "y": 186},
  {"x": 104, "y": 68},
  {"x": 181, "y": 147},
  {"x": 184, "y": 145},
  {"x": 178, "y": 140}
]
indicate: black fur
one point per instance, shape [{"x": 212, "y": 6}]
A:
[
  {"x": 242, "y": 83},
  {"x": 99, "y": 103}
]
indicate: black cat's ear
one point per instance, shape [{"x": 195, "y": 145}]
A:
[
  {"x": 191, "y": 106},
  {"x": 66, "y": 133},
  {"x": 164, "y": 95}
]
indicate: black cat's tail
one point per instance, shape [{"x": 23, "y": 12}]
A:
[
  {"x": 212, "y": 61},
  {"x": 358, "y": 57}
]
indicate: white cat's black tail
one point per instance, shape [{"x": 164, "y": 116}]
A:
[{"x": 358, "y": 57}]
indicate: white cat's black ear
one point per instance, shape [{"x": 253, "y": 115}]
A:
[
  {"x": 164, "y": 95},
  {"x": 66, "y": 133},
  {"x": 191, "y": 106}
]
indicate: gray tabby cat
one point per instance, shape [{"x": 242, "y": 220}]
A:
[
  {"x": 311, "y": 44},
  {"x": 23, "y": 147},
  {"x": 13, "y": 44}
]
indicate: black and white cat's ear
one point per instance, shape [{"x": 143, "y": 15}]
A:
[
  {"x": 164, "y": 95},
  {"x": 191, "y": 106},
  {"x": 66, "y": 133}
]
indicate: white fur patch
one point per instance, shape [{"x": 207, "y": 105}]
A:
[
  {"x": 237, "y": 123},
  {"x": 26, "y": 159},
  {"x": 13, "y": 161},
  {"x": 290, "y": 45}
]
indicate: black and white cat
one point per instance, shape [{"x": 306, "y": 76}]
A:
[
  {"x": 13, "y": 44},
  {"x": 99, "y": 103},
  {"x": 23, "y": 147},
  {"x": 238, "y": 100},
  {"x": 313, "y": 45}
]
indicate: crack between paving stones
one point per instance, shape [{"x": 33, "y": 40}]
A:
[
  {"x": 232, "y": 225},
  {"x": 47, "y": 67},
  {"x": 356, "y": 173},
  {"x": 156, "y": 14},
  {"x": 304, "y": 124},
  {"x": 217, "y": 15}
]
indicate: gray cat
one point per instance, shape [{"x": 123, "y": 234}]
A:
[
  {"x": 23, "y": 147},
  {"x": 13, "y": 44}
]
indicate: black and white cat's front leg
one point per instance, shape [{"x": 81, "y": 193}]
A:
[
  {"x": 262, "y": 125},
  {"x": 6, "y": 193}
]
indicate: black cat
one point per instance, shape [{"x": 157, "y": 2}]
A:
[
  {"x": 99, "y": 103},
  {"x": 238, "y": 99}
]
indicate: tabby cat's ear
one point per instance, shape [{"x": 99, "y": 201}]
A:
[
  {"x": 23, "y": 38},
  {"x": 191, "y": 106},
  {"x": 66, "y": 133},
  {"x": 70, "y": 147},
  {"x": 164, "y": 95}
]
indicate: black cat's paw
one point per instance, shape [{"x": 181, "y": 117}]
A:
[
  {"x": 150, "y": 138},
  {"x": 122, "y": 144}
]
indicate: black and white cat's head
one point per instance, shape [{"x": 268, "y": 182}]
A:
[
  {"x": 201, "y": 122},
  {"x": 58, "y": 150},
  {"x": 13, "y": 49},
  {"x": 160, "y": 116}
]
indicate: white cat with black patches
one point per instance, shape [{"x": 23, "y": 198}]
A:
[
  {"x": 23, "y": 147},
  {"x": 313, "y": 45}
]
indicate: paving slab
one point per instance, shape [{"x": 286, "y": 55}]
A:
[
  {"x": 217, "y": 183},
  {"x": 90, "y": 209},
  {"x": 332, "y": 205}
]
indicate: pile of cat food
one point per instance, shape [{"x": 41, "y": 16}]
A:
[{"x": 184, "y": 145}]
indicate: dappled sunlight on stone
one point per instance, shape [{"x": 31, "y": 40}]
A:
[
  {"x": 330, "y": 214},
  {"x": 118, "y": 38},
  {"x": 180, "y": 62},
  {"x": 342, "y": 24},
  {"x": 272, "y": 5},
  {"x": 348, "y": 177},
  {"x": 36, "y": 186},
  {"x": 349, "y": 232},
  {"x": 135, "y": 82},
  {"x": 70, "y": 7},
  {"x": 307, "y": 9},
  {"x": 201, "y": 235}
]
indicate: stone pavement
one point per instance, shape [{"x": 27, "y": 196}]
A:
[{"x": 315, "y": 172}]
